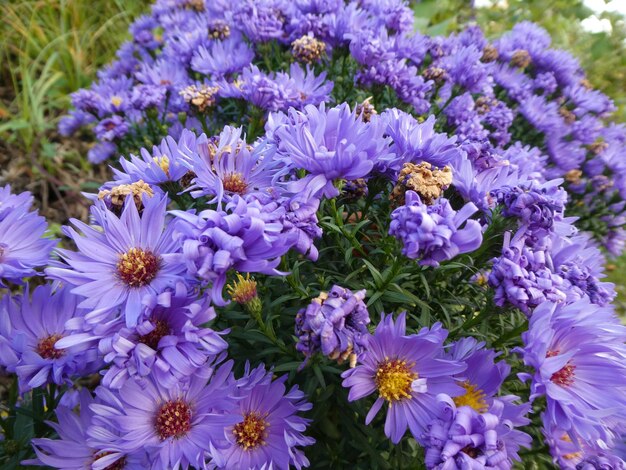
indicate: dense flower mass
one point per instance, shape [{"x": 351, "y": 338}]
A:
[{"x": 283, "y": 172}]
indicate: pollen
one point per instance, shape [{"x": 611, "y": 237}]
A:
[
  {"x": 473, "y": 397},
  {"x": 243, "y": 289},
  {"x": 46, "y": 349},
  {"x": 138, "y": 267},
  {"x": 252, "y": 431},
  {"x": 393, "y": 379},
  {"x": 200, "y": 96},
  {"x": 572, "y": 455},
  {"x": 117, "y": 195},
  {"x": 173, "y": 420},
  {"x": 427, "y": 181},
  {"x": 235, "y": 183},
  {"x": 219, "y": 30},
  {"x": 161, "y": 329},
  {"x": 164, "y": 163},
  {"x": 307, "y": 49},
  {"x": 564, "y": 376},
  {"x": 116, "y": 101}
]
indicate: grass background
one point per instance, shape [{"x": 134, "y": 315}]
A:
[{"x": 50, "y": 48}]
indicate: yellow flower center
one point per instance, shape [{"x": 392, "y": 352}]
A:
[
  {"x": 164, "y": 163},
  {"x": 473, "y": 397},
  {"x": 137, "y": 267},
  {"x": 235, "y": 183},
  {"x": 252, "y": 431},
  {"x": 116, "y": 101},
  {"x": 393, "y": 379}
]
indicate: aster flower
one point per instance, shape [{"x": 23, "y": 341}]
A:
[
  {"x": 577, "y": 352},
  {"x": 335, "y": 324},
  {"x": 163, "y": 164},
  {"x": 175, "y": 425},
  {"x": 221, "y": 58},
  {"x": 22, "y": 246},
  {"x": 432, "y": 233},
  {"x": 482, "y": 378},
  {"x": 171, "y": 343},
  {"x": 247, "y": 235},
  {"x": 30, "y": 331},
  {"x": 407, "y": 371},
  {"x": 330, "y": 145},
  {"x": 131, "y": 257},
  {"x": 268, "y": 431},
  {"x": 231, "y": 166},
  {"x": 460, "y": 437},
  {"x": 72, "y": 450},
  {"x": 101, "y": 151}
]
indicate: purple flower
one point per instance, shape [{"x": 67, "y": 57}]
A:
[
  {"x": 22, "y": 246},
  {"x": 246, "y": 235},
  {"x": 73, "y": 121},
  {"x": 148, "y": 96},
  {"x": 482, "y": 378},
  {"x": 171, "y": 343},
  {"x": 260, "y": 20},
  {"x": 577, "y": 352},
  {"x": 101, "y": 151},
  {"x": 221, "y": 58},
  {"x": 129, "y": 258},
  {"x": 30, "y": 329},
  {"x": 406, "y": 371},
  {"x": 163, "y": 164},
  {"x": 462, "y": 438},
  {"x": 330, "y": 145},
  {"x": 432, "y": 233},
  {"x": 268, "y": 429},
  {"x": 231, "y": 166},
  {"x": 175, "y": 425},
  {"x": 73, "y": 449},
  {"x": 335, "y": 324}
]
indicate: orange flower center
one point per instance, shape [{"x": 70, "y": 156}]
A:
[
  {"x": 46, "y": 349},
  {"x": 252, "y": 431},
  {"x": 137, "y": 267},
  {"x": 235, "y": 183}
]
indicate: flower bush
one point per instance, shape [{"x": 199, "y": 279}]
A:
[{"x": 330, "y": 241}]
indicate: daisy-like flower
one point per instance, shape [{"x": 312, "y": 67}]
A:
[
  {"x": 408, "y": 372},
  {"x": 462, "y": 438},
  {"x": 72, "y": 449},
  {"x": 268, "y": 433},
  {"x": 482, "y": 378},
  {"x": 28, "y": 334},
  {"x": 330, "y": 144},
  {"x": 231, "y": 166},
  {"x": 175, "y": 425},
  {"x": 577, "y": 351},
  {"x": 123, "y": 259},
  {"x": 161, "y": 165},
  {"x": 22, "y": 246}
]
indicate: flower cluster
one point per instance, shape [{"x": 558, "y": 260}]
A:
[{"x": 324, "y": 163}]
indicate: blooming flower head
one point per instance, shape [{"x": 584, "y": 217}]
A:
[
  {"x": 460, "y": 437},
  {"x": 247, "y": 236},
  {"x": 171, "y": 343},
  {"x": 407, "y": 371},
  {"x": 577, "y": 353},
  {"x": 432, "y": 233},
  {"x": 30, "y": 329},
  {"x": 482, "y": 378},
  {"x": 22, "y": 246},
  {"x": 231, "y": 166},
  {"x": 334, "y": 323},
  {"x": 161, "y": 165},
  {"x": 330, "y": 145},
  {"x": 175, "y": 425},
  {"x": 72, "y": 449},
  {"x": 268, "y": 431},
  {"x": 124, "y": 260}
]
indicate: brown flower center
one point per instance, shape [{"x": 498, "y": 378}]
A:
[
  {"x": 252, "y": 431},
  {"x": 152, "y": 339},
  {"x": 137, "y": 268},
  {"x": 173, "y": 420},
  {"x": 46, "y": 349},
  {"x": 235, "y": 183}
]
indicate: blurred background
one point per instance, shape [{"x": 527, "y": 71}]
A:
[{"x": 50, "y": 48}]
